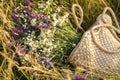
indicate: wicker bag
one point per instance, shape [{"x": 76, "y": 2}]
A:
[{"x": 99, "y": 47}]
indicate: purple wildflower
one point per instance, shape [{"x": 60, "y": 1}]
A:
[
  {"x": 49, "y": 23},
  {"x": 34, "y": 15},
  {"x": 44, "y": 25},
  {"x": 17, "y": 41},
  {"x": 20, "y": 51},
  {"x": 43, "y": 18},
  {"x": 16, "y": 58},
  {"x": 47, "y": 63},
  {"x": 39, "y": 61},
  {"x": 27, "y": 2},
  {"x": 14, "y": 17},
  {"x": 19, "y": 30},
  {"x": 29, "y": 10},
  {"x": 78, "y": 77}
]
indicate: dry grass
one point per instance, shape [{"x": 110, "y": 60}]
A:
[
  {"x": 91, "y": 8},
  {"x": 6, "y": 55}
]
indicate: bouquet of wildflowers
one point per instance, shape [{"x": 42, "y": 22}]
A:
[
  {"x": 34, "y": 32},
  {"x": 42, "y": 30},
  {"x": 42, "y": 34}
]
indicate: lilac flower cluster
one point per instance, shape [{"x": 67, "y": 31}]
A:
[
  {"x": 20, "y": 30},
  {"x": 27, "y": 18}
]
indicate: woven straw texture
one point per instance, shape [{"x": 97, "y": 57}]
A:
[{"x": 99, "y": 47}]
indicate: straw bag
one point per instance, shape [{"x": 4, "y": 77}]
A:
[{"x": 99, "y": 47}]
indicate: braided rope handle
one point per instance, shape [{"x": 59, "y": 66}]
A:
[
  {"x": 113, "y": 15},
  {"x": 110, "y": 27},
  {"x": 115, "y": 20},
  {"x": 95, "y": 40},
  {"x": 78, "y": 23}
]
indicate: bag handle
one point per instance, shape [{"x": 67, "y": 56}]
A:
[
  {"x": 113, "y": 15},
  {"x": 78, "y": 23},
  {"x": 110, "y": 27}
]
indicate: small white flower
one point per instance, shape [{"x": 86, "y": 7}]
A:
[
  {"x": 48, "y": 31},
  {"x": 74, "y": 44},
  {"x": 58, "y": 9},
  {"x": 33, "y": 22},
  {"x": 55, "y": 46},
  {"x": 24, "y": 26},
  {"x": 48, "y": 2},
  {"x": 48, "y": 16},
  {"x": 51, "y": 47},
  {"x": 24, "y": 11},
  {"x": 26, "y": 15},
  {"x": 54, "y": 16},
  {"x": 27, "y": 57},
  {"x": 49, "y": 44},
  {"x": 55, "y": 22},
  {"x": 61, "y": 20},
  {"x": 45, "y": 41},
  {"x": 40, "y": 5}
]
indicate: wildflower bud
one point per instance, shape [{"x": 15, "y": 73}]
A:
[
  {"x": 21, "y": 52},
  {"x": 78, "y": 77},
  {"x": 14, "y": 17},
  {"x": 16, "y": 58},
  {"x": 27, "y": 2}
]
